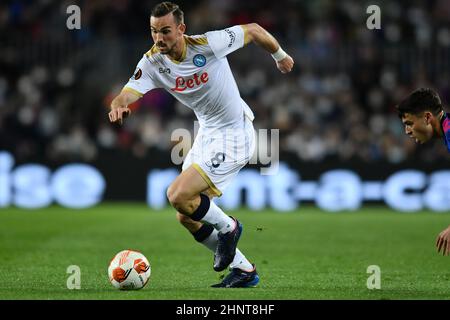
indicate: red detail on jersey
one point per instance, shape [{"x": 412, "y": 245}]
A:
[
  {"x": 182, "y": 84},
  {"x": 446, "y": 125}
]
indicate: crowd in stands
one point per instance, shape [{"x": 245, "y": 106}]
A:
[{"x": 338, "y": 103}]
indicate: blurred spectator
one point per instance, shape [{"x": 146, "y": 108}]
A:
[{"x": 56, "y": 84}]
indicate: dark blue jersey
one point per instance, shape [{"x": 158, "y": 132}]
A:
[{"x": 445, "y": 123}]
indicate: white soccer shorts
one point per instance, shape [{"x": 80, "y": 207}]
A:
[{"x": 218, "y": 155}]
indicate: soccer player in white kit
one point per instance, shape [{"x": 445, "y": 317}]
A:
[{"x": 195, "y": 70}]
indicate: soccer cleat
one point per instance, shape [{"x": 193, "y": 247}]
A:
[
  {"x": 226, "y": 247},
  {"x": 238, "y": 278}
]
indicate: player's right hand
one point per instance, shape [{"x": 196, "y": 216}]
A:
[{"x": 118, "y": 114}]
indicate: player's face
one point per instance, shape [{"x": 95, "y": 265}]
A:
[
  {"x": 166, "y": 33},
  {"x": 418, "y": 126}
]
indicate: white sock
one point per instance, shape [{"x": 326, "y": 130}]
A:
[
  {"x": 239, "y": 261},
  {"x": 219, "y": 219},
  {"x": 211, "y": 241}
]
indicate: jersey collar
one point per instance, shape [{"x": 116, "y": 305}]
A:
[{"x": 183, "y": 54}]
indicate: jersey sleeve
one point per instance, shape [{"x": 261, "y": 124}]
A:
[
  {"x": 447, "y": 138},
  {"x": 224, "y": 42},
  {"x": 141, "y": 82},
  {"x": 446, "y": 128}
]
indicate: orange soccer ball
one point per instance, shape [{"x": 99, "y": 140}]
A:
[{"x": 129, "y": 270}]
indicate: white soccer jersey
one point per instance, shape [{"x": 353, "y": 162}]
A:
[{"x": 201, "y": 80}]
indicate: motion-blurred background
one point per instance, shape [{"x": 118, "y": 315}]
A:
[{"x": 335, "y": 111}]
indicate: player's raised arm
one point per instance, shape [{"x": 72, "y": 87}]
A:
[
  {"x": 119, "y": 106},
  {"x": 257, "y": 34}
]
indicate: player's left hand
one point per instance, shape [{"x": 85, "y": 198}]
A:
[
  {"x": 286, "y": 64},
  {"x": 443, "y": 242}
]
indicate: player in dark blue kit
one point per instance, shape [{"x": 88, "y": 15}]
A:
[{"x": 424, "y": 119}]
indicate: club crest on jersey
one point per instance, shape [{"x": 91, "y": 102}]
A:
[{"x": 199, "y": 60}]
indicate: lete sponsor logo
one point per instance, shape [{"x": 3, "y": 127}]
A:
[{"x": 182, "y": 84}]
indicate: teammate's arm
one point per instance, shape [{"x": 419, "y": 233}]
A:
[
  {"x": 443, "y": 241},
  {"x": 257, "y": 34},
  {"x": 119, "y": 106}
]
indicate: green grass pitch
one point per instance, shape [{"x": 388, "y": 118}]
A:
[{"x": 307, "y": 254}]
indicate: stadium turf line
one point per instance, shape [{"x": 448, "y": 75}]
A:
[{"x": 306, "y": 254}]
